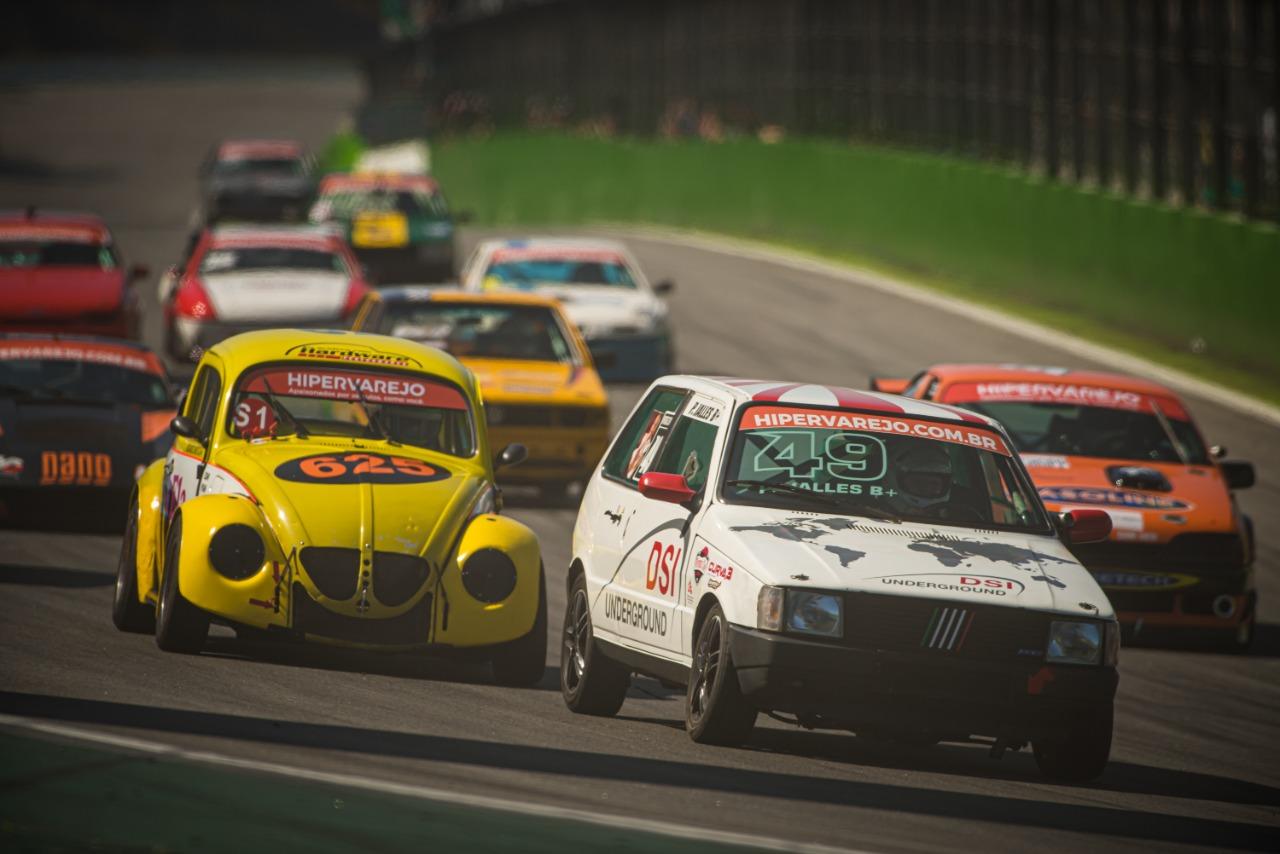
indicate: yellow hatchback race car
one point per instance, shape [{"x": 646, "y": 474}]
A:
[{"x": 337, "y": 487}]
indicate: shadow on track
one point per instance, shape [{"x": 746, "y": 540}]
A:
[
  {"x": 904, "y": 799},
  {"x": 54, "y": 576}
]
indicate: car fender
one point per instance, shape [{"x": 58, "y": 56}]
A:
[
  {"x": 149, "y": 489},
  {"x": 261, "y": 600},
  {"x": 464, "y": 621}
]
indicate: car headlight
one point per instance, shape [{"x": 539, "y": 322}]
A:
[
  {"x": 1075, "y": 642},
  {"x": 815, "y": 613}
]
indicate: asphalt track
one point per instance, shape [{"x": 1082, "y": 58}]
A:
[{"x": 1196, "y": 762}]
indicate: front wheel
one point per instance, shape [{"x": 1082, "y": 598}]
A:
[
  {"x": 715, "y": 710},
  {"x": 522, "y": 662},
  {"x": 180, "y": 626},
  {"x": 1080, "y": 754},
  {"x": 127, "y": 612},
  {"x": 590, "y": 682}
]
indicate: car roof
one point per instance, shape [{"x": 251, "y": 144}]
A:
[
  {"x": 98, "y": 343},
  {"x": 975, "y": 372},
  {"x": 424, "y": 293},
  {"x": 34, "y": 223},
  {"x": 379, "y": 180},
  {"x": 239, "y": 149},
  {"x": 342, "y": 348},
  {"x": 743, "y": 390}
]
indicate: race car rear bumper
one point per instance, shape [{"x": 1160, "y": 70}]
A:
[
  {"x": 557, "y": 454},
  {"x": 632, "y": 358},
  {"x": 861, "y": 689}
]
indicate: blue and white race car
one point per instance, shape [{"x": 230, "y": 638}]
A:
[{"x": 622, "y": 316}]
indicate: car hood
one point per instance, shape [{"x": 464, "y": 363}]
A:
[
  {"x": 287, "y": 296},
  {"x": 40, "y": 292},
  {"x": 519, "y": 381},
  {"x": 798, "y": 549},
  {"x": 421, "y": 518},
  {"x": 1192, "y": 498}
]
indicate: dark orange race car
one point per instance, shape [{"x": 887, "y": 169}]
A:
[{"x": 1180, "y": 556}]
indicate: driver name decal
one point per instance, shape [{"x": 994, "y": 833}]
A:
[{"x": 359, "y": 468}]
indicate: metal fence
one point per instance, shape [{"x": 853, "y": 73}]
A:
[{"x": 1174, "y": 100}]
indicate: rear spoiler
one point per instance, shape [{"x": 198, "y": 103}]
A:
[{"x": 889, "y": 385}]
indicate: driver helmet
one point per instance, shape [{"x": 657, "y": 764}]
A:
[{"x": 922, "y": 472}]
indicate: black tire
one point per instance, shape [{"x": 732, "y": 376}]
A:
[
  {"x": 180, "y": 626},
  {"x": 715, "y": 710},
  {"x": 1080, "y": 754},
  {"x": 590, "y": 682},
  {"x": 522, "y": 662},
  {"x": 127, "y": 612}
]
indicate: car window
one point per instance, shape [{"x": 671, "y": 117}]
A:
[
  {"x": 688, "y": 451},
  {"x": 641, "y": 438},
  {"x": 481, "y": 330},
  {"x": 202, "y": 403},
  {"x": 519, "y": 268}
]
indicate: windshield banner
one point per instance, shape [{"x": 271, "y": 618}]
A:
[
  {"x": 1069, "y": 394},
  {"x": 101, "y": 354},
  {"x": 556, "y": 253},
  {"x": 335, "y": 384},
  {"x": 774, "y": 417}
]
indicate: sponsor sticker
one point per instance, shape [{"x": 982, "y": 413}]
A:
[
  {"x": 100, "y": 354},
  {"x": 74, "y": 468},
  {"x": 703, "y": 409},
  {"x": 704, "y": 565},
  {"x": 982, "y": 585},
  {"x": 767, "y": 417},
  {"x": 662, "y": 567},
  {"x": 11, "y": 466},
  {"x": 353, "y": 386},
  {"x": 1074, "y": 394},
  {"x": 352, "y": 353},
  {"x": 359, "y": 468},
  {"x": 1132, "y": 580},
  {"x": 1046, "y": 461},
  {"x": 1111, "y": 497},
  {"x": 637, "y": 615}
]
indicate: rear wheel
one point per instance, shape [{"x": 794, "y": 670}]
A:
[
  {"x": 1080, "y": 754},
  {"x": 715, "y": 710},
  {"x": 180, "y": 626},
  {"x": 522, "y": 662},
  {"x": 590, "y": 682},
  {"x": 127, "y": 612}
]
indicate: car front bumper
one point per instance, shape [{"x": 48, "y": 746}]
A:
[{"x": 840, "y": 687}]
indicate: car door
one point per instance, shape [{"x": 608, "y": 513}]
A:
[{"x": 185, "y": 462}]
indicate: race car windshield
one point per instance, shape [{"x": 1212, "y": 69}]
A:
[
  {"x": 283, "y": 166},
  {"x": 348, "y": 204},
  {"x": 879, "y": 466},
  {"x": 73, "y": 380},
  {"x": 56, "y": 253},
  {"x": 322, "y": 400},
  {"x": 263, "y": 258},
  {"x": 1096, "y": 431},
  {"x": 481, "y": 331},
  {"x": 559, "y": 271}
]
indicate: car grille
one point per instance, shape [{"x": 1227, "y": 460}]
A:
[
  {"x": 411, "y": 627},
  {"x": 396, "y": 577},
  {"x": 973, "y": 631},
  {"x": 336, "y": 573},
  {"x": 1183, "y": 552}
]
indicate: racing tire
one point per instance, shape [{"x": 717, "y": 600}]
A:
[
  {"x": 590, "y": 682},
  {"x": 715, "y": 710},
  {"x": 1081, "y": 753},
  {"x": 128, "y": 614},
  {"x": 522, "y": 662},
  {"x": 180, "y": 626}
]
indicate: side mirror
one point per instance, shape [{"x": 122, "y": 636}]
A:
[
  {"x": 139, "y": 271},
  {"x": 512, "y": 455},
  {"x": 889, "y": 385},
  {"x": 181, "y": 425},
  {"x": 463, "y": 217},
  {"x": 1237, "y": 473},
  {"x": 1218, "y": 451},
  {"x": 1086, "y": 526},
  {"x": 661, "y": 486},
  {"x": 664, "y": 287}
]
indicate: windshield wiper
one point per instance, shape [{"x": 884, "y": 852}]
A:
[
  {"x": 374, "y": 419},
  {"x": 1168, "y": 432},
  {"x": 280, "y": 411}
]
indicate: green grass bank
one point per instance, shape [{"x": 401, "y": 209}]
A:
[{"x": 1195, "y": 290}]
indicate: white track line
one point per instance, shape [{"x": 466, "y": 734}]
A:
[
  {"x": 426, "y": 793},
  {"x": 1117, "y": 359}
]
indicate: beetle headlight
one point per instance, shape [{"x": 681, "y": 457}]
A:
[
  {"x": 236, "y": 551},
  {"x": 815, "y": 613},
  {"x": 1075, "y": 642}
]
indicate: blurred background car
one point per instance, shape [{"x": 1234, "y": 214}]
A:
[
  {"x": 268, "y": 180},
  {"x": 80, "y": 417},
  {"x": 398, "y": 224},
  {"x": 622, "y": 316},
  {"x": 241, "y": 278},
  {"x": 61, "y": 272},
  {"x": 539, "y": 385}
]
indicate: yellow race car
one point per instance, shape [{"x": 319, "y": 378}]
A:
[
  {"x": 539, "y": 383},
  {"x": 337, "y": 487}
]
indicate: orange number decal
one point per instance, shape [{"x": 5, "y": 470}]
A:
[
  {"x": 408, "y": 466},
  {"x": 322, "y": 467},
  {"x": 369, "y": 464}
]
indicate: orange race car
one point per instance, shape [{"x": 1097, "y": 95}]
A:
[{"x": 1180, "y": 555}]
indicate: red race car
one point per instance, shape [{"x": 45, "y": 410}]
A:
[
  {"x": 241, "y": 278},
  {"x": 61, "y": 272}
]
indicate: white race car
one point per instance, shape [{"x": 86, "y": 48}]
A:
[
  {"x": 604, "y": 292},
  {"x": 847, "y": 559}
]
